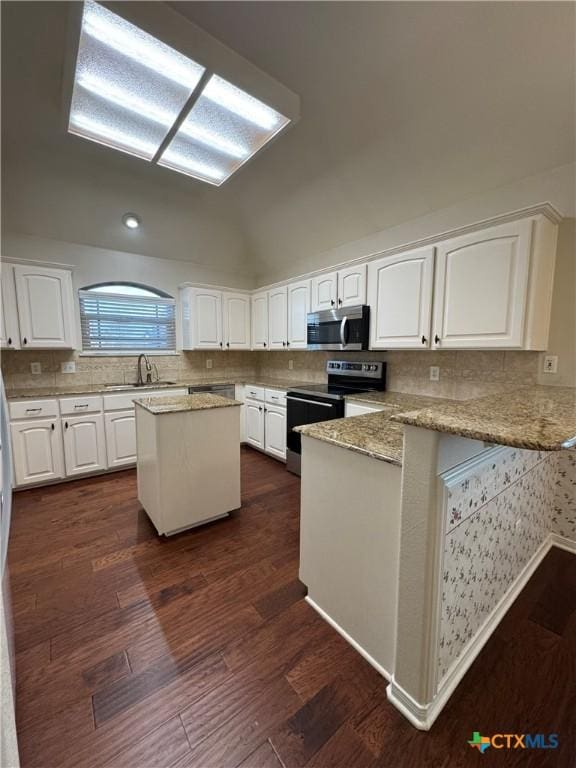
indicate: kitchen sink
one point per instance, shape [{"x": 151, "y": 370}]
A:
[{"x": 152, "y": 385}]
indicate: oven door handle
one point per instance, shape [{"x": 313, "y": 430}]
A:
[
  {"x": 312, "y": 402},
  {"x": 344, "y": 331}
]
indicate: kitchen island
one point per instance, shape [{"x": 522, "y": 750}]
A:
[
  {"x": 188, "y": 464},
  {"x": 421, "y": 525}
]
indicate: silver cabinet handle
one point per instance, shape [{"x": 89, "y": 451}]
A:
[
  {"x": 33, "y": 410},
  {"x": 313, "y": 402},
  {"x": 81, "y": 405}
]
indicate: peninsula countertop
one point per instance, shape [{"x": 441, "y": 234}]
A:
[
  {"x": 536, "y": 418},
  {"x": 182, "y": 403}
]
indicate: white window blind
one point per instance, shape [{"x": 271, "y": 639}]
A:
[{"x": 115, "y": 322}]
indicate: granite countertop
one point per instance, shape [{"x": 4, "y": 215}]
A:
[
  {"x": 398, "y": 400},
  {"x": 102, "y": 389},
  {"x": 182, "y": 403},
  {"x": 536, "y": 418},
  {"x": 373, "y": 434}
]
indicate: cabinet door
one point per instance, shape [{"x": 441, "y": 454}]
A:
[
  {"x": 37, "y": 449},
  {"x": 324, "y": 291},
  {"x": 236, "y": 321},
  {"x": 275, "y": 431},
  {"x": 45, "y": 307},
  {"x": 400, "y": 299},
  {"x": 9, "y": 331},
  {"x": 260, "y": 321},
  {"x": 298, "y": 308},
  {"x": 481, "y": 288},
  {"x": 352, "y": 286},
  {"x": 278, "y": 318},
  {"x": 254, "y": 423},
  {"x": 207, "y": 319},
  {"x": 120, "y": 428},
  {"x": 359, "y": 409},
  {"x": 84, "y": 444}
]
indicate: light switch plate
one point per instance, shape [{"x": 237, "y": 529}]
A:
[
  {"x": 208, "y": 363},
  {"x": 551, "y": 364},
  {"x": 434, "y": 373},
  {"x": 35, "y": 368},
  {"x": 68, "y": 367}
]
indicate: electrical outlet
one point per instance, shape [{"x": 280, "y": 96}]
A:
[
  {"x": 434, "y": 373},
  {"x": 36, "y": 368},
  {"x": 290, "y": 365},
  {"x": 208, "y": 363},
  {"x": 551, "y": 364},
  {"x": 69, "y": 367}
]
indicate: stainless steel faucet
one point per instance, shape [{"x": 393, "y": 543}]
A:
[{"x": 140, "y": 380}]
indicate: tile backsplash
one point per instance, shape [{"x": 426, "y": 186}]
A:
[{"x": 462, "y": 374}]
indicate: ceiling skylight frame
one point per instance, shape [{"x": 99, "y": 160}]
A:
[{"x": 218, "y": 62}]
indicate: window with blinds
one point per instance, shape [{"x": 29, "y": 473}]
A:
[{"x": 117, "y": 318}]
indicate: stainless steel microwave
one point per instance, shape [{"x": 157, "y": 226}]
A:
[{"x": 343, "y": 328}]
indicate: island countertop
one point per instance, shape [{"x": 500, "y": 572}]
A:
[
  {"x": 182, "y": 403},
  {"x": 535, "y": 418}
]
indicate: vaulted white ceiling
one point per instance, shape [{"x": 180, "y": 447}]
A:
[{"x": 405, "y": 108}]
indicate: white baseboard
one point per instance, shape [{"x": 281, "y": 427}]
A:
[
  {"x": 563, "y": 543},
  {"x": 422, "y": 716},
  {"x": 370, "y": 659}
]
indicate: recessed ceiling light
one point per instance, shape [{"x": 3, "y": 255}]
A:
[
  {"x": 134, "y": 93},
  {"x": 131, "y": 221}
]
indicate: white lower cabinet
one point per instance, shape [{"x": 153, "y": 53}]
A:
[
  {"x": 84, "y": 444},
  {"x": 275, "y": 431},
  {"x": 37, "y": 449},
  {"x": 358, "y": 409},
  {"x": 254, "y": 423},
  {"x": 120, "y": 427}
]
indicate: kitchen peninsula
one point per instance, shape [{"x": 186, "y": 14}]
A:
[
  {"x": 421, "y": 523},
  {"x": 188, "y": 463}
]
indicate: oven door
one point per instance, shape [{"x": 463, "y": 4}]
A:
[
  {"x": 300, "y": 410},
  {"x": 347, "y": 328}
]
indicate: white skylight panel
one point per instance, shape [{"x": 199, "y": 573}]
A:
[
  {"x": 129, "y": 87},
  {"x": 225, "y": 127}
]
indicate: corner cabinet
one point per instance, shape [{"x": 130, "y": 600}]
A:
[
  {"x": 493, "y": 288},
  {"x": 400, "y": 297},
  {"x": 45, "y": 300},
  {"x": 9, "y": 328}
]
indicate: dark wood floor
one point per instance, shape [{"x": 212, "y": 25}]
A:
[{"x": 199, "y": 650}]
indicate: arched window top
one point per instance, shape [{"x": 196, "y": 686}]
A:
[{"x": 126, "y": 289}]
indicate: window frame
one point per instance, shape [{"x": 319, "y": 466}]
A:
[{"x": 151, "y": 294}]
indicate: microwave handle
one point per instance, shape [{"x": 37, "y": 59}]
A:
[{"x": 344, "y": 331}]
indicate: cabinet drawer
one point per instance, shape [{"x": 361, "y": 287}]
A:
[
  {"x": 276, "y": 397},
  {"x": 125, "y": 400},
  {"x": 33, "y": 409},
  {"x": 74, "y": 406},
  {"x": 256, "y": 393}
]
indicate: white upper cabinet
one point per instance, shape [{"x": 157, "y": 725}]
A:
[
  {"x": 9, "y": 330},
  {"x": 236, "y": 321},
  {"x": 260, "y": 320},
  {"x": 278, "y": 318},
  {"x": 400, "y": 299},
  {"x": 298, "y": 309},
  {"x": 45, "y": 307},
  {"x": 352, "y": 286},
  {"x": 344, "y": 288},
  {"x": 202, "y": 318},
  {"x": 324, "y": 291},
  {"x": 481, "y": 288}
]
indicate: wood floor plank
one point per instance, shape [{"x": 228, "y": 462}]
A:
[
  {"x": 262, "y": 757},
  {"x": 161, "y": 748}
]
